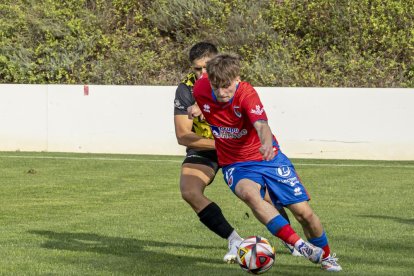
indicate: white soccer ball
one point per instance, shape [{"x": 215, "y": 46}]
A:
[{"x": 255, "y": 255}]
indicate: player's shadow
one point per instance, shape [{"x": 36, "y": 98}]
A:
[
  {"x": 396, "y": 219},
  {"x": 130, "y": 256},
  {"x": 102, "y": 244},
  {"x": 137, "y": 255}
]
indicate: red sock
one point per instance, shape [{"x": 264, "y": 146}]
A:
[
  {"x": 326, "y": 250},
  {"x": 288, "y": 235}
]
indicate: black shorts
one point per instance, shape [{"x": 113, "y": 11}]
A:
[{"x": 204, "y": 157}]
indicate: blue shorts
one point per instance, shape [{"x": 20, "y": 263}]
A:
[{"x": 277, "y": 176}]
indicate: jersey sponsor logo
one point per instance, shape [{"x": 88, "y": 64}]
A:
[
  {"x": 258, "y": 111},
  {"x": 227, "y": 132},
  {"x": 290, "y": 181},
  {"x": 206, "y": 108},
  {"x": 283, "y": 171},
  {"x": 178, "y": 104},
  {"x": 236, "y": 111}
]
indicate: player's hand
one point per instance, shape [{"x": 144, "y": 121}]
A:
[
  {"x": 268, "y": 152},
  {"x": 194, "y": 111}
]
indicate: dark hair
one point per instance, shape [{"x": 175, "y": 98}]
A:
[
  {"x": 223, "y": 69},
  {"x": 201, "y": 50}
]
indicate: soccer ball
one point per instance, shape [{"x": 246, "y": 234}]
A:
[{"x": 255, "y": 255}]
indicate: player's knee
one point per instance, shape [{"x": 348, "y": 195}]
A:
[
  {"x": 191, "y": 195},
  {"x": 187, "y": 195},
  {"x": 306, "y": 217},
  {"x": 247, "y": 196}
]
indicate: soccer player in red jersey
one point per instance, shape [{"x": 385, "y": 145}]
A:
[{"x": 252, "y": 161}]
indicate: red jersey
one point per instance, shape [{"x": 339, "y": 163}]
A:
[{"x": 232, "y": 122}]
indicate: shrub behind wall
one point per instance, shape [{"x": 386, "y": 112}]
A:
[{"x": 283, "y": 43}]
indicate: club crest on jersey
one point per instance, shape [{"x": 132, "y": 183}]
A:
[
  {"x": 206, "y": 108},
  {"x": 258, "y": 111},
  {"x": 236, "y": 111}
]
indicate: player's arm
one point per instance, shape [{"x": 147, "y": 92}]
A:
[
  {"x": 185, "y": 137},
  {"x": 266, "y": 139},
  {"x": 194, "y": 111}
]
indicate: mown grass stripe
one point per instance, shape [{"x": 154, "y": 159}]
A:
[{"x": 179, "y": 161}]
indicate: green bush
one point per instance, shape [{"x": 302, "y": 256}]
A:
[{"x": 283, "y": 43}]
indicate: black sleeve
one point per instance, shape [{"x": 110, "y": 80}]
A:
[{"x": 183, "y": 99}]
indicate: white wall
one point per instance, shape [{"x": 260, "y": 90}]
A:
[
  {"x": 23, "y": 117},
  {"x": 111, "y": 119},
  {"x": 342, "y": 123},
  {"x": 308, "y": 122}
]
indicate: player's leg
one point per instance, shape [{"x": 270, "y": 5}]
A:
[
  {"x": 288, "y": 189},
  {"x": 193, "y": 181},
  {"x": 250, "y": 192},
  {"x": 310, "y": 222},
  {"x": 283, "y": 213},
  {"x": 315, "y": 233},
  {"x": 280, "y": 209},
  {"x": 262, "y": 175}
]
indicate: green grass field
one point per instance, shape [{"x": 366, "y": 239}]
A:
[{"x": 90, "y": 214}]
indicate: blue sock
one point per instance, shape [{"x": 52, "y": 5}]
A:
[
  {"x": 321, "y": 242},
  {"x": 276, "y": 223}
]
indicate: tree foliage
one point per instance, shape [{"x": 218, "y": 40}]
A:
[{"x": 356, "y": 43}]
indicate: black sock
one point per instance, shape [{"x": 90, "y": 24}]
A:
[{"x": 212, "y": 217}]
